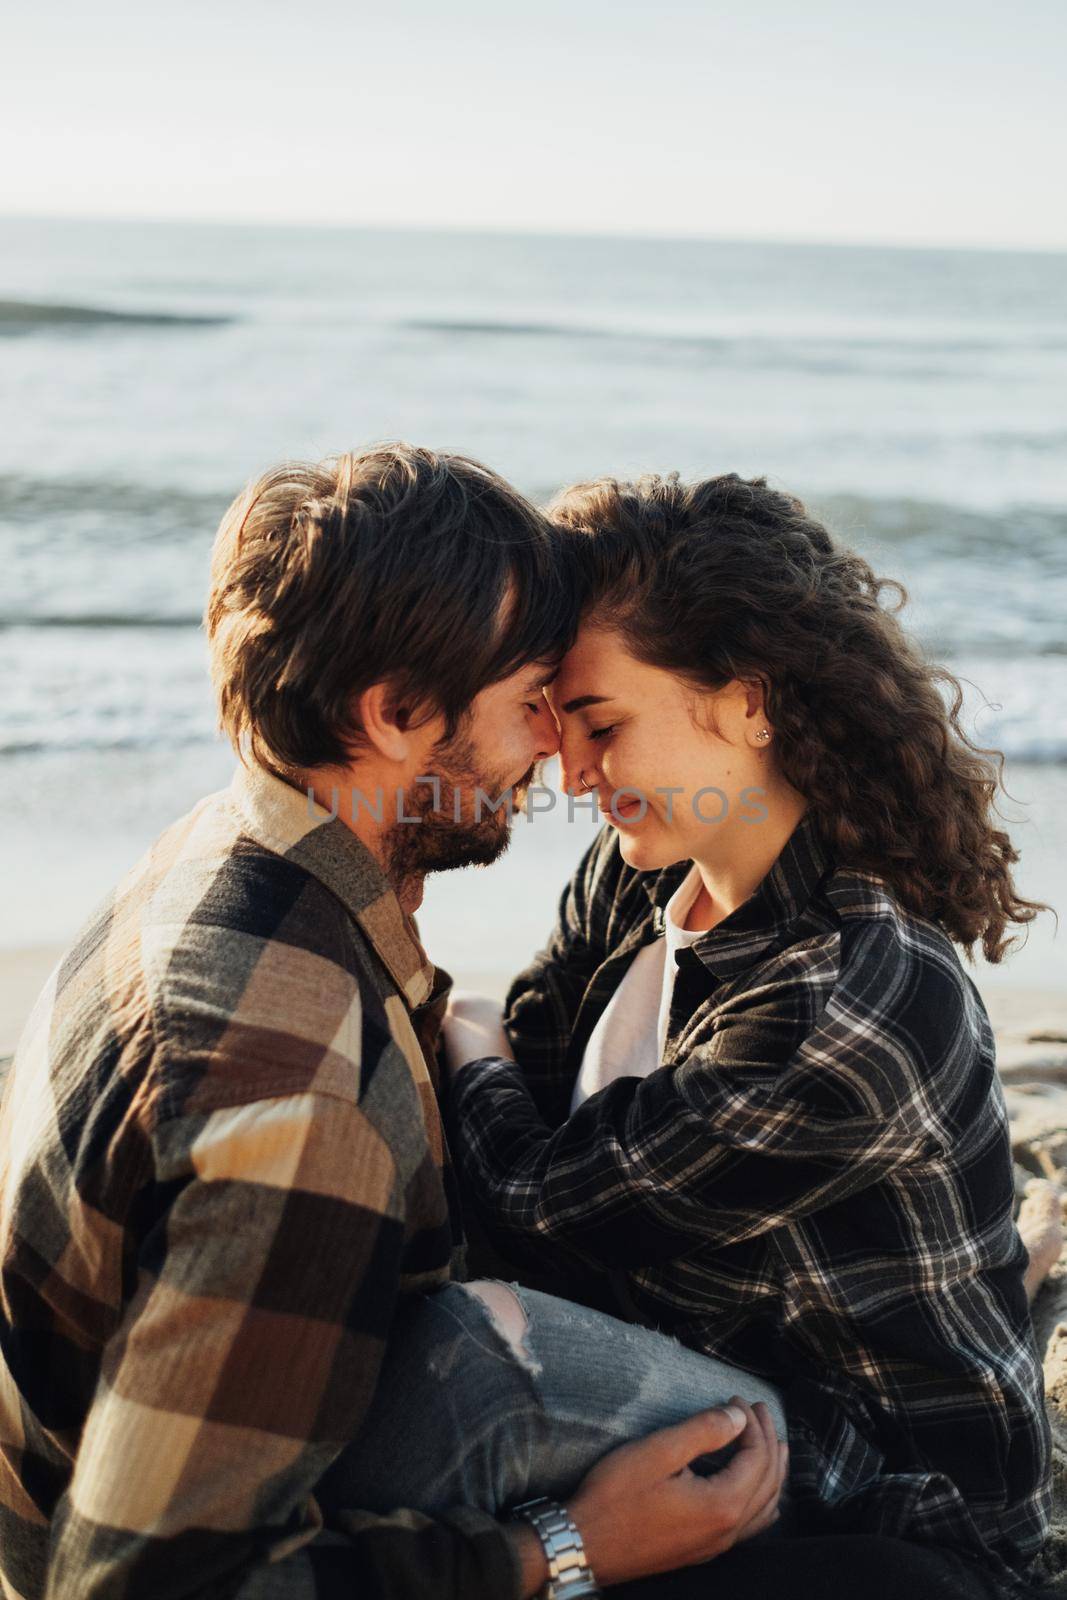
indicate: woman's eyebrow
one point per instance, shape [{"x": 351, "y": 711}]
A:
[{"x": 586, "y": 700}]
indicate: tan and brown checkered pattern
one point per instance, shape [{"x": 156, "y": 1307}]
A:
[{"x": 221, "y": 1162}]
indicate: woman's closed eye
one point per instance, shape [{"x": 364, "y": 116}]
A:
[{"x": 603, "y": 733}]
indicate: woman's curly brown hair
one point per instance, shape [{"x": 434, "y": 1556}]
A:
[{"x": 729, "y": 579}]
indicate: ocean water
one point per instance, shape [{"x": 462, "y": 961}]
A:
[{"x": 917, "y": 399}]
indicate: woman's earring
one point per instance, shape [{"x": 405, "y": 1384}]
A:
[{"x": 764, "y": 733}]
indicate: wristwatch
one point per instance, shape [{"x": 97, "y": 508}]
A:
[{"x": 569, "y": 1572}]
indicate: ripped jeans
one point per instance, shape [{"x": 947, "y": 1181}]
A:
[{"x": 490, "y": 1394}]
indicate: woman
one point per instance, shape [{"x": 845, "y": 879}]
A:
[{"x": 748, "y": 1088}]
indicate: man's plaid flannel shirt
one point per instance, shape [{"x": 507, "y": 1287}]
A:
[
  {"x": 221, "y": 1161},
  {"x": 817, "y": 1186}
]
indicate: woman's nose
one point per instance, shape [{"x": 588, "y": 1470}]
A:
[{"x": 571, "y": 779}]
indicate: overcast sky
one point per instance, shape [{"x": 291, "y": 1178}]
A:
[{"x": 920, "y": 121}]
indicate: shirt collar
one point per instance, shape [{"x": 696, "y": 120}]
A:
[
  {"x": 766, "y": 917},
  {"x": 284, "y": 820}
]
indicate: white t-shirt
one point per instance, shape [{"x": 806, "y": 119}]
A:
[{"x": 629, "y": 1039}]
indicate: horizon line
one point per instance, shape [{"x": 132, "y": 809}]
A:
[{"x": 535, "y": 231}]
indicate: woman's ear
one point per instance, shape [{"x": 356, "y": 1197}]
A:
[
  {"x": 756, "y": 697},
  {"x": 750, "y": 702}
]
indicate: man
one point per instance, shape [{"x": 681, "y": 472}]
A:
[{"x": 222, "y": 1168}]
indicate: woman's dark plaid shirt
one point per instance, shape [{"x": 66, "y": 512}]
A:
[{"x": 816, "y": 1187}]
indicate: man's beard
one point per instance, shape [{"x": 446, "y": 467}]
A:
[{"x": 436, "y": 842}]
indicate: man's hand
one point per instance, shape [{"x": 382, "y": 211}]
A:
[
  {"x": 472, "y": 1028},
  {"x": 641, "y": 1510}
]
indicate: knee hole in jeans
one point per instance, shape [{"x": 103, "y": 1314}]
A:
[{"x": 507, "y": 1314}]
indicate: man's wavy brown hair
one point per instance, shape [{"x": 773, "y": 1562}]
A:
[
  {"x": 729, "y": 579},
  {"x": 398, "y": 564}
]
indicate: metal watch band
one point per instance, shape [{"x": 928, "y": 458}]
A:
[{"x": 569, "y": 1572}]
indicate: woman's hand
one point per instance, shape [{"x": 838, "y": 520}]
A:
[{"x": 472, "y": 1028}]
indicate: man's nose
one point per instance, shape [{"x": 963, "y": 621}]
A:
[{"x": 546, "y": 734}]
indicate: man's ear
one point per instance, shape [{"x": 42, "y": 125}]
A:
[{"x": 385, "y": 724}]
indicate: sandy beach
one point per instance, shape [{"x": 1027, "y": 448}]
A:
[{"x": 22, "y": 975}]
